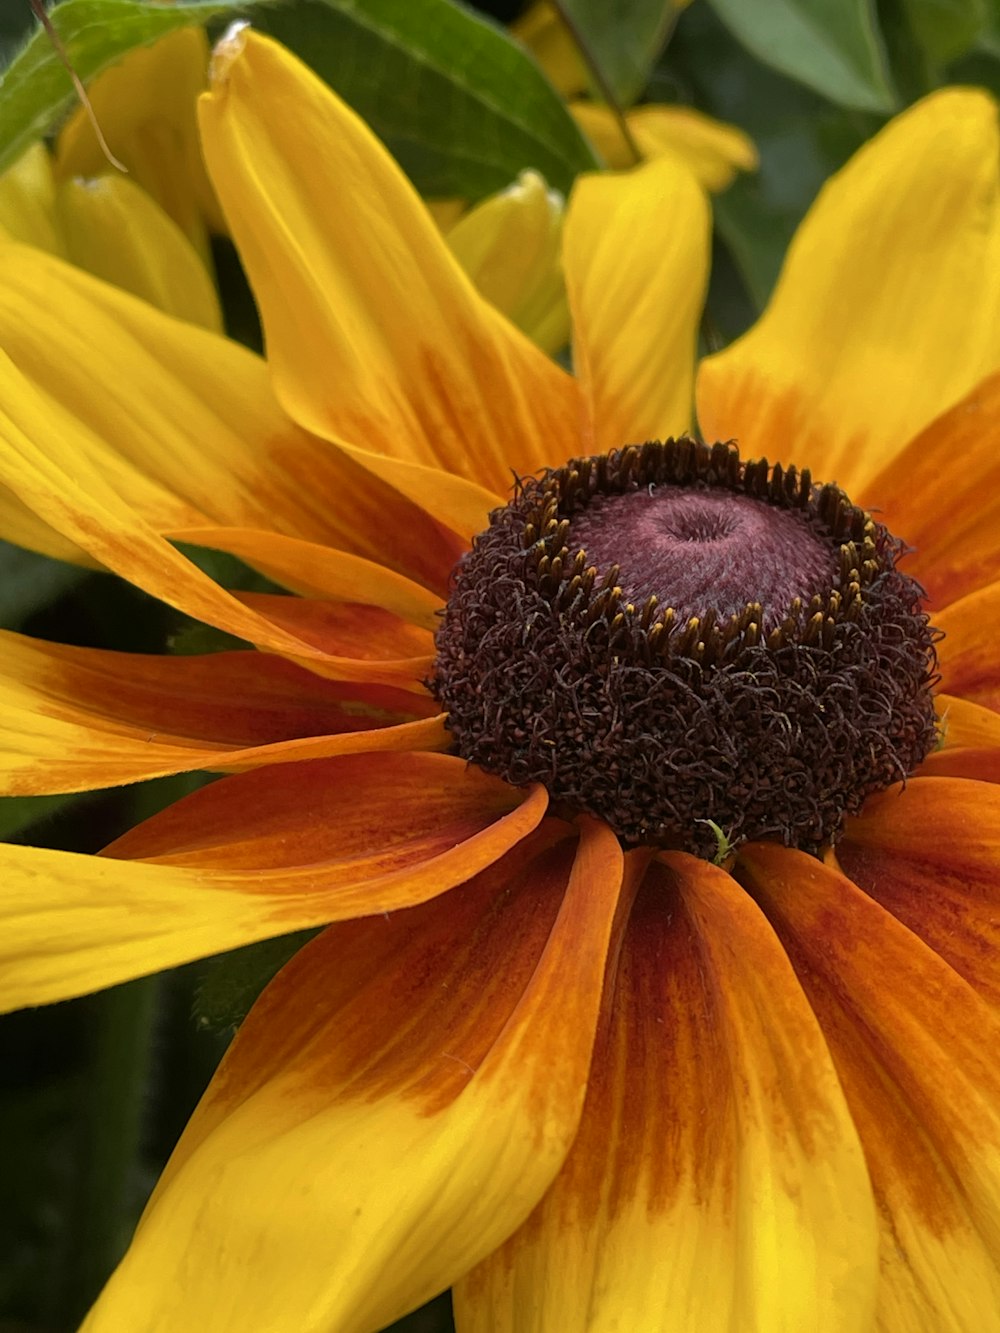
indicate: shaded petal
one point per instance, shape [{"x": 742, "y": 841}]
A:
[
  {"x": 250, "y": 857},
  {"x": 28, "y": 200},
  {"x": 970, "y": 741},
  {"x": 206, "y": 439},
  {"x": 376, "y": 337},
  {"x": 636, "y": 259},
  {"x": 717, "y": 1180},
  {"x": 967, "y": 655},
  {"x": 510, "y": 247},
  {"x": 931, "y": 856},
  {"x": 887, "y": 310},
  {"x": 72, "y": 719},
  {"x": 351, "y": 629},
  {"x": 915, "y": 1048},
  {"x": 114, "y": 230},
  {"x": 145, "y": 105},
  {"x": 393, "y": 1107}
]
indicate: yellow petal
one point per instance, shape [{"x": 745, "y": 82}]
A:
[
  {"x": 114, "y": 230},
  {"x": 206, "y": 439},
  {"x": 509, "y": 245},
  {"x": 145, "y": 106},
  {"x": 549, "y": 40},
  {"x": 72, "y": 719},
  {"x": 717, "y": 1181},
  {"x": 636, "y": 256},
  {"x": 394, "y": 1105},
  {"x": 73, "y": 924},
  {"x": 375, "y": 336},
  {"x": 914, "y": 1047},
  {"x": 711, "y": 150},
  {"x": 27, "y": 202},
  {"x": 887, "y": 310}
]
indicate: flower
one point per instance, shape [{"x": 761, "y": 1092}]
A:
[
  {"x": 590, "y": 1086},
  {"x": 713, "y": 150},
  {"x": 145, "y": 231}
]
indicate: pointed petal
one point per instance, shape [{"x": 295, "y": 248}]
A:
[
  {"x": 115, "y": 231},
  {"x": 969, "y": 662},
  {"x": 350, "y": 629},
  {"x": 250, "y": 857},
  {"x": 207, "y": 441},
  {"x": 915, "y": 1047},
  {"x": 931, "y": 856},
  {"x": 886, "y": 311},
  {"x": 952, "y": 464},
  {"x": 970, "y": 741},
  {"x": 717, "y": 1180},
  {"x": 72, "y": 719},
  {"x": 397, "y": 1101},
  {"x": 376, "y": 338},
  {"x": 636, "y": 260}
]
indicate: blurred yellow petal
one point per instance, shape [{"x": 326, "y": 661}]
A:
[
  {"x": 440, "y": 380},
  {"x": 27, "y": 202},
  {"x": 548, "y": 39},
  {"x": 887, "y": 310},
  {"x": 114, "y": 230},
  {"x": 636, "y": 255},
  {"x": 717, "y": 1181},
  {"x": 710, "y": 149},
  {"x": 510, "y": 245},
  {"x": 145, "y": 106},
  {"x": 393, "y": 1107}
]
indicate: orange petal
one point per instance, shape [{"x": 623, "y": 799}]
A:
[
  {"x": 72, "y": 719},
  {"x": 887, "y": 310},
  {"x": 716, "y": 1181},
  {"x": 393, "y": 1107},
  {"x": 348, "y": 629},
  {"x": 915, "y": 1048},
  {"x": 970, "y": 736},
  {"x": 636, "y": 258},
  {"x": 969, "y": 662},
  {"x": 376, "y": 337},
  {"x": 951, "y": 464},
  {"x": 250, "y": 857},
  {"x": 207, "y": 441},
  {"x": 931, "y": 856}
]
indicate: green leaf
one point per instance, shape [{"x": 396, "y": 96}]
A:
[
  {"x": 832, "y": 46},
  {"x": 460, "y": 105},
  {"x": 35, "y": 88},
  {"x": 946, "y": 29},
  {"x": 624, "y": 39},
  {"x": 232, "y": 981}
]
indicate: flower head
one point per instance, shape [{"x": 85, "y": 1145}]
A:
[{"x": 591, "y": 1080}]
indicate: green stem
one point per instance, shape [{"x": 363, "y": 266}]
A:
[
  {"x": 597, "y": 74},
  {"x": 107, "y": 1197}
]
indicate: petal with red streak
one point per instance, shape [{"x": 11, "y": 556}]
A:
[
  {"x": 72, "y": 719},
  {"x": 970, "y": 741},
  {"x": 248, "y": 857},
  {"x": 967, "y": 655},
  {"x": 393, "y": 1107},
  {"x": 716, "y": 1181},
  {"x": 915, "y": 1047},
  {"x": 931, "y": 856}
]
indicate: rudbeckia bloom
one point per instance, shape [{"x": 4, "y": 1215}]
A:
[{"x": 591, "y": 1079}]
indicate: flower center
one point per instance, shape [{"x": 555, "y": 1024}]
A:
[{"x": 673, "y": 639}]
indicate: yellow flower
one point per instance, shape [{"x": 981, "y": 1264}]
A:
[
  {"x": 144, "y": 231},
  {"x": 593, "y": 1083},
  {"x": 714, "y": 151}
]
